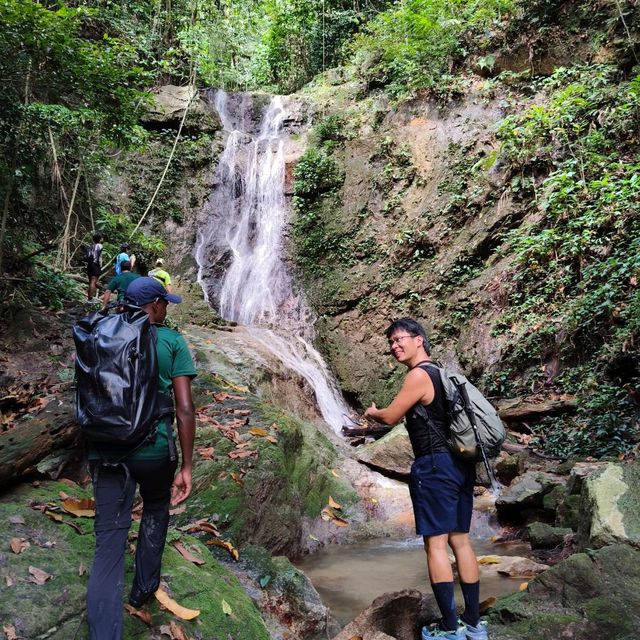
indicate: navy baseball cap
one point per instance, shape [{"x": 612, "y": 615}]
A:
[{"x": 142, "y": 291}]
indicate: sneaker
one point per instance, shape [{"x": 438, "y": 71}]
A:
[
  {"x": 476, "y": 633},
  {"x": 458, "y": 634}
]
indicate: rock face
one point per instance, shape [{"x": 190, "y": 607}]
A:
[
  {"x": 168, "y": 106},
  {"x": 544, "y": 536},
  {"x": 392, "y": 454},
  {"x": 609, "y": 510},
  {"x": 588, "y": 595},
  {"x": 524, "y": 498},
  {"x": 393, "y": 616}
]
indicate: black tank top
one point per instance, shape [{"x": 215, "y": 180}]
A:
[{"x": 429, "y": 436}]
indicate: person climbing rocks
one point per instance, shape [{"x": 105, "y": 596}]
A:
[
  {"x": 124, "y": 256},
  {"x": 119, "y": 283},
  {"x": 440, "y": 485},
  {"x": 161, "y": 275},
  {"x": 93, "y": 257},
  {"x": 152, "y": 467}
]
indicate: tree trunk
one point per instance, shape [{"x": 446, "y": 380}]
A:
[{"x": 30, "y": 441}]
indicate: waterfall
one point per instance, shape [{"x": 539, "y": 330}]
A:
[{"x": 240, "y": 245}]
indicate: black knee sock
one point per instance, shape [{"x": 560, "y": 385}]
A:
[
  {"x": 443, "y": 591},
  {"x": 471, "y": 593}
]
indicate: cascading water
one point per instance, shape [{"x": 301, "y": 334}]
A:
[{"x": 240, "y": 246}]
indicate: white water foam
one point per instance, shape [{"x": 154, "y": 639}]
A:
[{"x": 239, "y": 249}]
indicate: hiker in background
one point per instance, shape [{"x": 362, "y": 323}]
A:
[
  {"x": 441, "y": 485},
  {"x": 152, "y": 466},
  {"x": 119, "y": 284},
  {"x": 124, "y": 256},
  {"x": 161, "y": 275},
  {"x": 93, "y": 257}
]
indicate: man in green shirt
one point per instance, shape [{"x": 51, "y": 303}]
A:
[
  {"x": 117, "y": 471},
  {"x": 119, "y": 283}
]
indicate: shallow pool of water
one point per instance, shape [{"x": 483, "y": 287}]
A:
[{"x": 348, "y": 578}]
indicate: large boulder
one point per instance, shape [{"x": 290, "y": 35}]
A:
[
  {"x": 588, "y": 595},
  {"x": 393, "y": 616},
  {"x": 523, "y": 499},
  {"x": 610, "y": 510},
  {"x": 167, "y": 107},
  {"x": 392, "y": 454},
  {"x": 544, "y": 536}
]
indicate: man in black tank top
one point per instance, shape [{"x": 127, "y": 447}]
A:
[{"x": 441, "y": 485}]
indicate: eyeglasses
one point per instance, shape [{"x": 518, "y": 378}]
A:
[{"x": 398, "y": 339}]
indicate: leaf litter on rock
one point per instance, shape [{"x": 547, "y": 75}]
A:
[
  {"x": 19, "y": 545},
  {"x": 9, "y": 632},
  {"x": 178, "y": 610},
  {"x": 233, "y": 552},
  {"x": 141, "y": 614},
  {"x": 186, "y": 554},
  {"x": 39, "y": 576}
]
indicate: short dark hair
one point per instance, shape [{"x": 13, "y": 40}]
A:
[
  {"x": 412, "y": 327},
  {"x": 96, "y": 237},
  {"x": 124, "y": 245},
  {"x": 125, "y": 265}
]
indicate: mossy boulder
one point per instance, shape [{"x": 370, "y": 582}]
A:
[
  {"x": 610, "y": 507},
  {"x": 568, "y": 512},
  {"x": 544, "y": 536},
  {"x": 392, "y": 454},
  {"x": 62, "y": 546},
  {"x": 588, "y": 595}
]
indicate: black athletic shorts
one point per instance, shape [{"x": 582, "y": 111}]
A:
[
  {"x": 441, "y": 488},
  {"x": 93, "y": 270}
]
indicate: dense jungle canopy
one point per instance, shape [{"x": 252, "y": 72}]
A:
[{"x": 76, "y": 81}]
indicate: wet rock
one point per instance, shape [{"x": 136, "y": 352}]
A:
[
  {"x": 524, "y": 498},
  {"x": 551, "y": 500},
  {"x": 609, "y": 511},
  {"x": 513, "y": 566},
  {"x": 391, "y": 455},
  {"x": 579, "y": 598},
  {"x": 393, "y": 616},
  {"x": 508, "y": 466},
  {"x": 568, "y": 513},
  {"x": 544, "y": 536},
  {"x": 288, "y": 601}
]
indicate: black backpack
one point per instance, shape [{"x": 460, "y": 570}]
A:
[
  {"x": 117, "y": 399},
  {"x": 90, "y": 254}
]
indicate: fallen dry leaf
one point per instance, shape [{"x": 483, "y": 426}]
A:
[
  {"x": 82, "y": 569},
  {"x": 80, "y": 507},
  {"x": 222, "y": 396},
  {"x": 233, "y": 552},
  {"x": 329, "y": 516},
  {"x": 39, "y": 576},
  {"x": 8, "y": 581},
  {"x": 201, "y": 525},
  {"x": 257, "y": 431},
  {"x": 226, "y": 609},
  {"x": 237, "y": 479},
  {"x": 176, "y": 632},
  {"x": 272, "y": 439},
  {"x": 335, "y": 473},
  {"x": 56, "y": 517},
  {"x": 178, "y": 610},
  {"x": 523, "y": 586},
  {"x": 141, "y": 614},
  {"x": 186, "y": 554},
  {"x": 178, "y": 510},
  {"x": 9, "y": 632},
  {"x": 206, "y": 453},
  {"x": 355, "y": 638},
  {"x": 489, "y": 560},
  {"x": 63, "y": 495},
  {"x": 242, "y": 453},
  {"x": 239, "y": 412},
  {"x": 18, "y": 545},
  {"x": 333, "y": 504}
]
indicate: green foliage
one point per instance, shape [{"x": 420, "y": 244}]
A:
[
  {"x": 413, "y": 44},
  {"x": 605, "y": 425},
  {"x": 41, "y": 286},
  {"x": 581, "y": 260}
]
